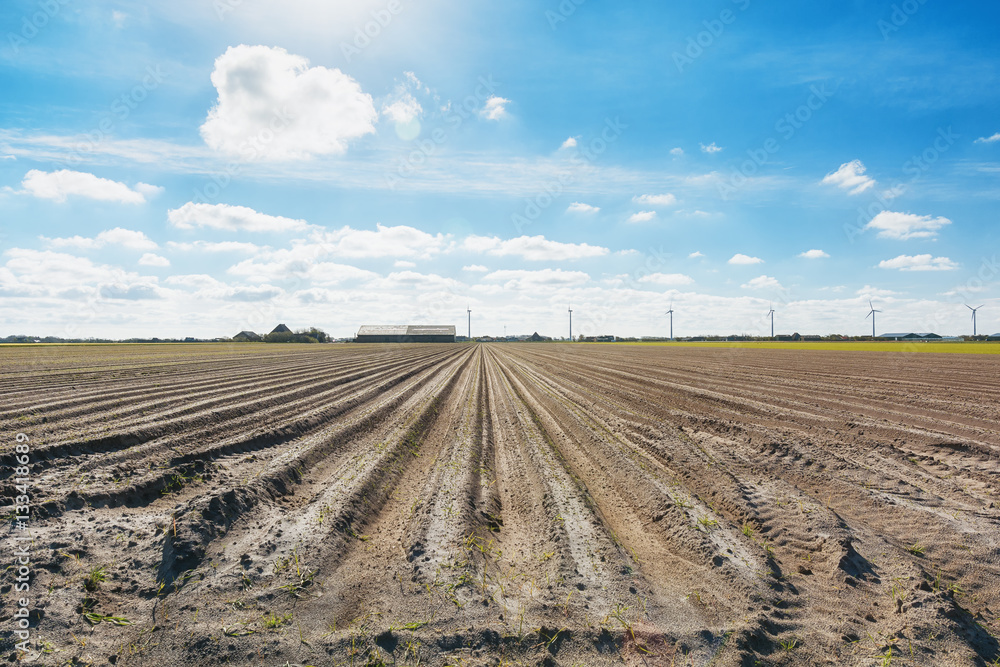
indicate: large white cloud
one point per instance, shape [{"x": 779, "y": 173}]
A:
[
  {"x": 231, "y": 218},
  {"x": 533, "y": 248},
  {"x": 126, "y": 238},
  {"x": 273, "y": 105},
  {"x": 850, "y": 176},
  {"x": 58, "y": 185},
  {"x": 918, "y": 263},
  {"x": 903, "y": 226}
]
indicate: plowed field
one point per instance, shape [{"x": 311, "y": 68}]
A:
[{"x": 504, "y": 504}]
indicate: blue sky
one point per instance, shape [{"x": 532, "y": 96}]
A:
[{"x": 211, "y": 166}]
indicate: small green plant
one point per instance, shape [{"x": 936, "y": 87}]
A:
[
  {"x": 788, "y": 645},
  {"x": 707, "y": 524},
  {"x": 94, "y": 578},
  {"x": 272, "y": 621},
  {"x": 916, "y": 549},
  {"x": 96, "y": 619},
  {"x": 747, "y": 530}
]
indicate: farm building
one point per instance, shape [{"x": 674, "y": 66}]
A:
[
  {"x": 909, "y": 336},
  {"x": 406, "y": 333},
  {"x": 995, "y": 336},
  {"x": 247, "y": 337},
  {"x": 281, "y": 328}
]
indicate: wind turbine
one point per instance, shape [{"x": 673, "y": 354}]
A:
[
  {"x": 872, "y": 315},
  {"x": 973, "y": 317},
  {"x": 469, "y": 309},
  {"x": 771, "y": 314},
  {"x": 671, "y": 314},
  {"x": 571, "y": 324}
]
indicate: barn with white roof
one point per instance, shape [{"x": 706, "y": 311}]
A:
[{"x": 406, "y": 333}]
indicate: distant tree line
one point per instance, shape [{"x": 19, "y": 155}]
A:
[{"x": 310, "y": 335}]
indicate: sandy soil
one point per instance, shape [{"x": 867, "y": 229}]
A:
[{"x": 505, "y": 504}]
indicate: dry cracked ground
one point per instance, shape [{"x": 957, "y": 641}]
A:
[{"x": 505, "y": 504}]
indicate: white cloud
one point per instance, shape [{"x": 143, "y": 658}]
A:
[
  {"x": 532, "y": 248},
  {"x": 149, "y": 259},
  {"x": 404, "y": 109},
  {"x": 580, "y": 207},
  {"x": 696, "y": 254},
  {"x": 118, "y": 18},
  {"x": 903, "y": 226},
  {"x": 404, "y": 264},
  {"x": 126, "y": 238},
  {"x": 569, "y": 143},
  {"x": 475, "y": 268},
  {"x": 667, "y": 279},
  {"x": 221, "y": 246},
  {"x": 230, "y": 218},
  {"x": 642, "y": 216},
  {"x": 813, "y": 254},
  {"x": 656, "y": 200},
  {"x": 41, "y": 273},
  {"x": 850, "y": 176},
  {"x": 495, "y": 108},
  {"x": 532, "y": 280},
  {"x": 677, "y": 152},
  {"x": 398, "y": 241},
  {"x": 988, "y": 140},
  {"x": 918, "y": 263},
  {"x": 271, "y": 104},
  {"x": 762, "y": 282},
  {"x": 149, "y": 191},
  {"x": 58, "y": 185},
  {"x": 868, "y": 292},
  {"x": 284, "y": 264},
  {"x": 741, "y": 259},
  {"x": 711, "y": 148}
]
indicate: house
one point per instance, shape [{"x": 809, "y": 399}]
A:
[
  {"x": 281, "y": 328},
  {"x": 246, "y": 337}
]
